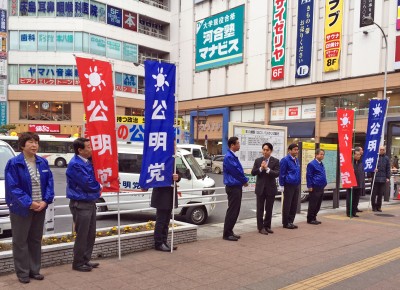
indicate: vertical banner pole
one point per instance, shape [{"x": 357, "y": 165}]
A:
[{"x": 174, "y": 192}]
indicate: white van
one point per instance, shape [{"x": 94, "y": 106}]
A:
[
  {"x": 130, "y": 163},
  {"x": 6, "y": 153},
  {"x": 200, "y": 153}
]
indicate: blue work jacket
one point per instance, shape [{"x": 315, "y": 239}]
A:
[
  {"x": 316, "y": 175},
  {"x": 233, "y": 170},
  {"x": 289, "y": 172}
]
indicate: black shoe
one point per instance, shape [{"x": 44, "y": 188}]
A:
[
  {"x": 163, "y": 248},
  {"x": 174, "y": 247},
  {"x": 289, "y": 226},
  {"x": 378, "y": 209},
  {"x": 230, "y": 238},
  {"x": 263, "y": 232},
  {"x": 36, "y": 276},
  {"x": 269, "y": 230},
  {"x": 236, "y": 236},
  {"x": 354, "y": 215},
  {"x": 93, "y": 265},
  {"x": 24, "y": 280},
  {"x": 83, "y": 268},
  {"x": 374, "y": 209},
  {"x": 357, "y": 210},
  {"x": 318, "y": 222},
  {"x": 294, "y": 226},
  {"x": 313, "y": 223}
]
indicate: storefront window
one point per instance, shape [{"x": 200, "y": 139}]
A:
[
  {"x": 293, "y": 110},
  {"x": 45, "y": 111},
  {"x": 394, "y": 105},
  {"x": 360, "y": 102}
]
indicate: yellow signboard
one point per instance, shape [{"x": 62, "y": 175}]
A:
[
  {"x": 328, "y": 146},
  {"x": 136, "y": 120},
  {"x": 333, "y": 34}
]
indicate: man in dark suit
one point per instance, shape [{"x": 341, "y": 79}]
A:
[{"x": 266, "y": 169}]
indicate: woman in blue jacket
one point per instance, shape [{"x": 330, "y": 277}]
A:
[{"x": 29, "y": 189}]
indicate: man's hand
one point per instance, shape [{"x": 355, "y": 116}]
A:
[
  {"x": 310, "y": 189},
  {"x": 34, "y": 205},
  {"x": 264, "y": 165},
  {"x": 41, "y": 205},
  {"x": 246, "y": 184}
]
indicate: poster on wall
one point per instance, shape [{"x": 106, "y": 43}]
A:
[
  {"x": 333, "y": 34},
  {"x": 293, "y": 112},
  {"x": 277, "y": 113},
  {"x": 309, "y": 111},
  {"x": 219, "y": 39},
  {"x": 278, "y": 39},
  {"x": 304, "y": 38}
]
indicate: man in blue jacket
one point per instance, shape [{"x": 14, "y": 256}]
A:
[
  {"x": 83, "y": 189},
  {"x": 316, "y": 182},
  {"x": 289, "y": 178},
  {"x": 234, "y": 179}
]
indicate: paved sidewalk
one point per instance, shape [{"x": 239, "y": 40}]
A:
[{"x": 341, "y": 253}]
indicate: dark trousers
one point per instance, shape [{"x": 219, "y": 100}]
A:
[
  {"x": 265, "y": 202},
  {"x": 314, "y": 204},
  {"x": 355, "y": 200},
  {"x": 232, "y": 213},
  {"x": 290, "y": 199},
  {"x": 377, "y": 193},
  {"x": 84, "y": 216},
  {"x": 27, "y": 233},
  {"x": 161, "y": 227}
]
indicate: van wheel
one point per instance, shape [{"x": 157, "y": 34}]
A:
[
  {"x": 217, "y": 170},
  {"x": 100, "y": 208},
  {"x": 60, "y": 162},
  {"x": 196, "y": 215}
]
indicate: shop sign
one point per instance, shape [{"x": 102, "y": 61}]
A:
[
  {"x": 211, "y": 126},
  {"x": 308, "y": 111},
  {"x": 397, "y": 53},
  {"x": 3, "y": 113},
  {"x": 114, "y": 16},
  {"x": 293, "y": 112},
  {"x": 219, "y": 39},
  {"x": 3, "y": 20},
  {"x": 278, "y": 39},
  {"x": 367, "y": 9},
  {"x": 44, "y": 128},
  {"x": 130, "y": 20},
  {"x": 277, "y": 113},
  {"x": 304, "y": 38},
  {"x": 333, "y": 34},
  {"x": 398, "y": 15}
]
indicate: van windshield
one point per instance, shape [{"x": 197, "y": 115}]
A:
[
  {"x": 205, "y": 153},
  {"x": 195, "y": 166}
]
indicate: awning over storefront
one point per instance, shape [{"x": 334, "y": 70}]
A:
[{"x": 299, "y": 129}]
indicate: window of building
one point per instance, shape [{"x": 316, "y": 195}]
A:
[
  {"x": 27, "y": 74},
  {"x": 358, "y": 101},
  {"x": 65, "y": 41},
  {"x": 248, "y": 114},
  {"x": 27, "y": 40},
  {"x": 64, "y": 75},
  {"x": 14, "y": 40},
  {"x": 65, "y": 8},
  {"x": 98, "y": 11},
  {"x": 134, "y": 112},
  {"x": 44, "y": 111},
  {"x": 97, "y": 45},
  {"x": 46, "y": 74},
  {"x": 114, "y": 49},
  {"x": 293, "y": 110},
  {"x": 130, "y": 52},
  {"x": 46, "y": 8},
  {"x": 46, "y": 41}
]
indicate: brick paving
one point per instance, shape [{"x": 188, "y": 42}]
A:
[{"x": 256, "y": 261}]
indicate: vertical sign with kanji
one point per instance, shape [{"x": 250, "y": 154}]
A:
[
  {"x": 376, "y": 117},
  {"x": 278, "y": 39},
  {"x": 219, "y": 39},
  {"x": 333, "y": 34},
  {"x": 345, "y": 119},
  {"x": 159, "y": 133},
  {"x": 367, "y": 9},
  {"x": 304, "y": 37},
  {"x": 398, "y": 15},
  {"x": 97, "y": 91}
]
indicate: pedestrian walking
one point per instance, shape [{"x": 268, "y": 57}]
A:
[
  {"x": 382, "y": 177},
  {"x": 83, "y": 190},
  {"x": 234, "y": 179},
  {"x": 29, "y": 189},
  {"x": 266, "y": 168},
  {"x": 289, "y": 179},
  {"x": 316, "y": 182},
  {"x": 356, "y": 190}
]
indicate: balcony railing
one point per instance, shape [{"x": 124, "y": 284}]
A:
[{"x": 152, "y": 32}]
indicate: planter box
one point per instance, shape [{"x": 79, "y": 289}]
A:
[{"x": 104, "y": 247}]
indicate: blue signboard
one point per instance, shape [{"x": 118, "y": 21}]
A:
[
  {"x": 3, "y": 113},
  {"x": 3, "y": 20},
  {"x": 376, "y": 117},
  {"x": 304, "y": 38},
  {"x": 114, "y": 16},
  {"x": 159, "y": 133}
]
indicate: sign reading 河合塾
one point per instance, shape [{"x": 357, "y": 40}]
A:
[
  {"x": 98, "y": 99},
  {"x": 345, "y": 119},
  {"x": 333, "y": 34},
  {"x": 159, "y": 132},
  {"x": 219, "y": 39},
  {"x": 304, "y": 38},
  {"x": 278, "y": 39},
  {"x": 376, "y": 117}
]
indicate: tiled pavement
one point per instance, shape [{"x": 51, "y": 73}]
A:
[{"x": 331, "y": 255}]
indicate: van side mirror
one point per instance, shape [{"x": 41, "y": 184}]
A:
[{"x": 187, "y": 174}]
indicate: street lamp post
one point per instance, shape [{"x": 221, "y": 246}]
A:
[{"x": 369, "y": 20}]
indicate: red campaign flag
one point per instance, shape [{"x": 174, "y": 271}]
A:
[
  {"x": 97, "y": 91},
  {"x": 345, "y": 120}
]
